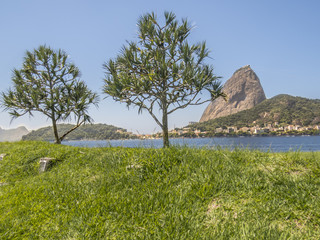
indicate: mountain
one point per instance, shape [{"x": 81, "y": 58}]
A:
[
  {"x": 88, "y": 131},
  {"x": 243, "y": 91},
  {"x": 12, "y": 135},
  {"x": 282, "y": 109}
]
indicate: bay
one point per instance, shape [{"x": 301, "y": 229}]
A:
[{"x": 272, "y": 144}]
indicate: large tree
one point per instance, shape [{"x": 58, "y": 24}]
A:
[
  {"x": 50, "y": 84},
  {"x": 161, "y": 69}
]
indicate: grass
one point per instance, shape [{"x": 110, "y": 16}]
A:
[{"x": 175, "y": 193}]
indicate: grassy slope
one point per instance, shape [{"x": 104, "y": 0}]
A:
[{"x": 177, "y": 193}]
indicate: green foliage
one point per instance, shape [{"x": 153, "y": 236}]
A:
[
  {"x": 84, "y": 132},
  {"x": 172, "y": 193},
  {"x": 284, "y": 109},
  {"x": 162, "y": 70},
  {"x": 49, "y": 84}
]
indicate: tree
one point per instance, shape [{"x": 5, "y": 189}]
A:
[
  {"x": 50, "y": 84},
  {"x": 162, "y": 70}
]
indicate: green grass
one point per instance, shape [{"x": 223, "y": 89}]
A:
[{"x": 175, "y": 193}]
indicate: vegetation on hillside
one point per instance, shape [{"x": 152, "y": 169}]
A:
[
  {"x": 283, "y": 109},
  {"x": 84, "y": 132},
  {"x": 172, "y": 193}
]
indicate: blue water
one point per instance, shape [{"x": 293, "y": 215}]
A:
[{"x": 273, "y": 144}]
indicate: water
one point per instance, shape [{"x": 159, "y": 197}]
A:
[{"x": 273, "y": 144}]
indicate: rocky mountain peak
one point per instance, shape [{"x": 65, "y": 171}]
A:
[{"x": 243, "y": 91}]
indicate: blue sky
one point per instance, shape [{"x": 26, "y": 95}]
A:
[{"x": 279, "y": 39}]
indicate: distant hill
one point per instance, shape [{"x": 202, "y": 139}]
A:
[
  {"x": 12, "y": 135},
  {"x": 84, "y": 132},
  {"x": 283, "y": 109}
]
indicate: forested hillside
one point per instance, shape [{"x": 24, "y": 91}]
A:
[
  {"x": 282, "y": 109},
  {"x": 88, "y": 131}
]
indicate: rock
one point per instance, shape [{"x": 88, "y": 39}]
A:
[
  {"x": 2, "y": 156},
  {"x": 133, "y": 166},
  {"x": 243, "y": 91},
  {"x": 45, "y": 164}
]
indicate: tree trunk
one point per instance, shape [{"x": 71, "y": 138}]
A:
[
  {"x": 55, "y": 131},
  {"x": 165, "y": 128},
  {"x": 72, "y": 129}
]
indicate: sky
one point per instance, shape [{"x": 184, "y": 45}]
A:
[{"x": 279, "y": 39}]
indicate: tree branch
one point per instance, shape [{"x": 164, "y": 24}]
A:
[{"x": 72, "y": 129}]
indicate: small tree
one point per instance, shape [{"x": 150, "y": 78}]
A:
[
  {"x": 161, "y": 69},
  {"x": 49, "y": 84}
]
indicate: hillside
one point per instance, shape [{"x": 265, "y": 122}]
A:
[
  {"x": 282, "y": 109},
  {"x": 11, "y": 135},
  {"x": 88, "y": 131}
]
